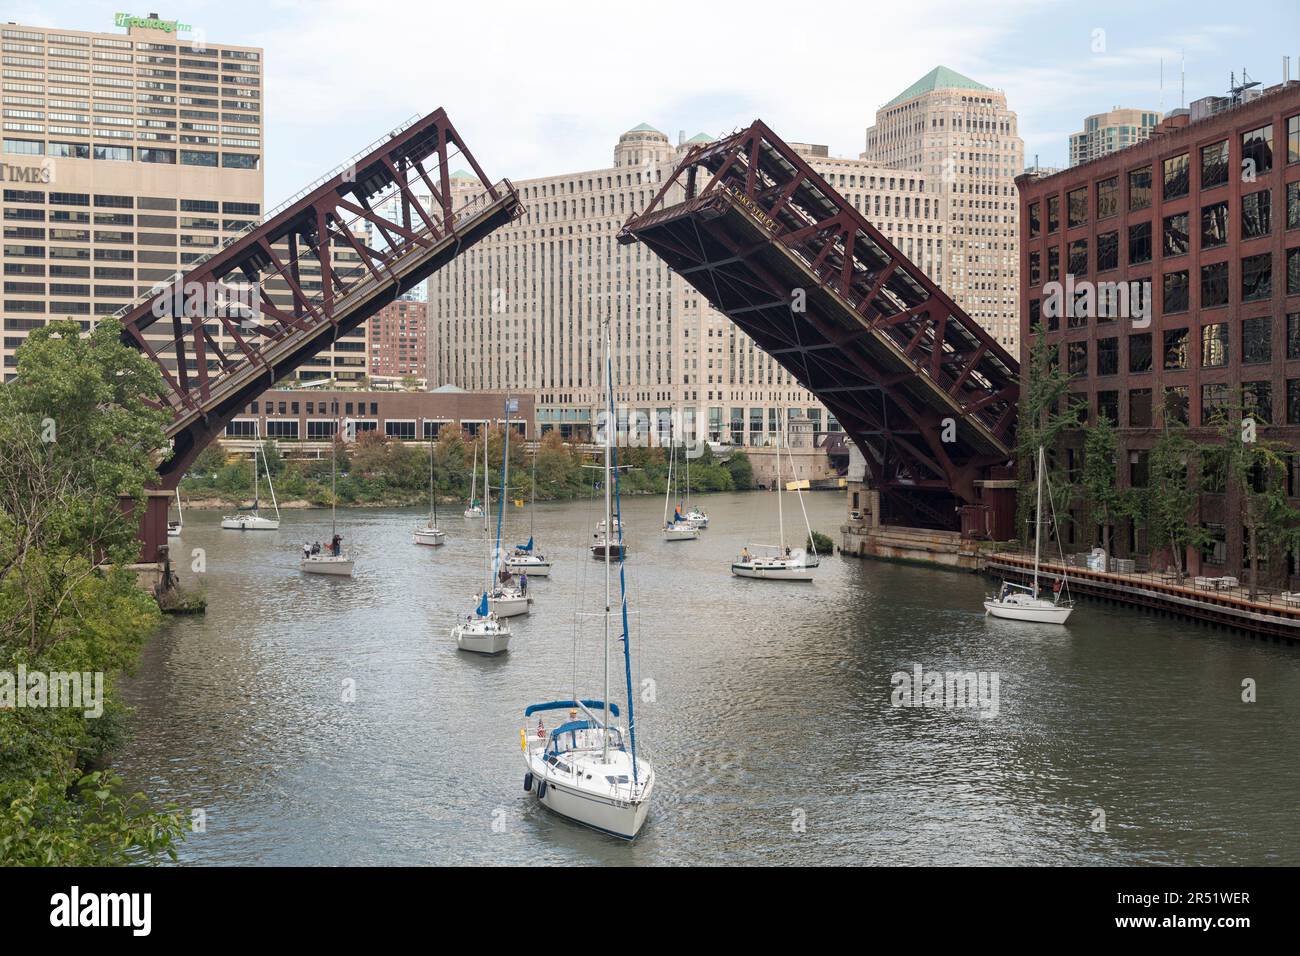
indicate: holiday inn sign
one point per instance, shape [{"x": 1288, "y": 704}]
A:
[{"x": 150, "y": 23}]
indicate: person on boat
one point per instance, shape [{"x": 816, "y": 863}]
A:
[
  {"x": 744, "y": 555},
  {"x": 336, "y": 545},
  {"x": 315, "y": 548},
  {"x": 787, "y": 551},
  {"x": 306, "y": 549},
  {"x": 523, "y": 584}
]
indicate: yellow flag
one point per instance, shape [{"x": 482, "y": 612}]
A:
[
  {"x": 801, "y": 485},
  {"x": 519, "y": 502}
]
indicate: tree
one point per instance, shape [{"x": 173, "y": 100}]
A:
[
  {"x": 1105, "y": 501},
  {"x": 77, "y": 435},
  {"x": 1173, "y": 493},
  {"x": 742, "y": 471},
  {"x": 1042, "y": 422}
]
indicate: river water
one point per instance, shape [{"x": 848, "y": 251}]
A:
[{"x": 322, "y": 721}]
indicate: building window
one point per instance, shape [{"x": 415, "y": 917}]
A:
[
  {"x": 1077, "y": 207},
  {"x": 1108, "y": 197},
  {"x": 1215, "y": 396},
  {"x": 1214, "y": 345},
  {"x": 1214, "y": 285},
  {"x": 1175, "y": 179},
  {"x": 1256, "y": 219},
  {"x": 238, "y": 161},
  {"x": 1108, "y": 406},
  {"x": 1077, "y": 358},
  {"x": 1054, "y": 264},
  {"x": 1257, "y": 150},
  {"x": 1139, "y": 188},
  {"x": 1139, "y": 408},
  {"x": 1176, "y": 296},
  {"x": 1175, "y": 349},
  {"x": 149, "y": 155},
  {"x": 1139, "y": 352},
  {"x": 1293, "y": 139},
  {"x": 1293, "y": 336},
  {"x": 1293, "y": 205},
  {"x": 192, "y": 157},
  {"x": 1214, "y": 164},
  {"x": 1257, "y": 401},
  {"x": 401, "y": 430},
  {"x": 1035, "y": 268},
  {"x": 241, "y": 428},
  {"x": 1257, "y": 340},
  {"x": 1256, "y": 277},
  {"x": 1053, "y": 214},
  {"x": 1078, "y": 265},
  {"x": 1175, "y": 235},
  {"x": 1107, "y": 251},
  {"x": 1035, "y": 226},
  {"x": 282, "y": 428},
  {"x": 1293, "y": 401},
  {"x": 1108, "y": 356},
  {"x": 1139, "y": 243},
  {"x": 1293, "y": 271},
  {"x": 1214, "y": 225},
  {"x": 1177, "y": 404}
]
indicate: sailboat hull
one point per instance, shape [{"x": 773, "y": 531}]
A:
[
  {"x": 474, "y": 513},
  {"x": 616, "y": 551},
  {"x": 340, "y": 566},
  {"x": 1035, "y": 610},
  {"x": 589, "y": 806},
  {"x": 509, "y": 606},
  {"x": 250, "y": 523},
  {"x": 681, "y": 533},
  {"x": 475, "y": 638},
  {"x": 533, "y": 567},
  {"x": 429, "y": 536}
]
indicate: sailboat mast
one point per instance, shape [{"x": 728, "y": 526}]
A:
[
  {"x": 780, "y": 511},
  {"x": 334, "y": 479},
  {"x": 1038, "y": 519},
  {"x": 609, "y": 520}
]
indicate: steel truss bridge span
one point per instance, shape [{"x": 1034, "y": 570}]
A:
[{"x": 928, "y": 395}]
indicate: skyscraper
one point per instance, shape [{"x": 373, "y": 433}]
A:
[
  {"x": 127, "y": 157},
  {"x": 962, "y": 137},
  {"x": 1105, "y": 133}
]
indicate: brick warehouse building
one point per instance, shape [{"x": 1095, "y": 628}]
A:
[{"x": 1208, "y": 212}]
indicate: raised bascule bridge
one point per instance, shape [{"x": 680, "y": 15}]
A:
[
  {"x": 925, "y": 393},
  {"x": 368, "y": 205}
]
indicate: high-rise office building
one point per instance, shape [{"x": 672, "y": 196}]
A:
[
  {"x": 962, "y": 137},
  {"x": 399, "y": 340},
  {"x": 1104, "y": 133},
  {"x": 522, "y": 310},
  {"x": 127, "y": 157}
]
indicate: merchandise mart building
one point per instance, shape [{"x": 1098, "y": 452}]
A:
[
  {"x": 1208, "y": 213},
  {"x": 127, "y": 157},
  {"x": 522, "y": 310}
]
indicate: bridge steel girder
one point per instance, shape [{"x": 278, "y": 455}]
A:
[
  {"x": 776, "y": 249},
  {"x": 176, "y": 324}
]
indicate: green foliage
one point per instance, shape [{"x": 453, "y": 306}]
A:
[
  {"x": 1172, "y": 494},
  {"x": 75, "y": 434},
  {"x": 1107, "y": 503},
  {"x": 821, "y": 543},
  {"x": 1042, "y": 421}
]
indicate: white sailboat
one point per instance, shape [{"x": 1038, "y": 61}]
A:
[
  {"x": 1019, "y": 602},
  {"x": 588, "y": 770},
  {"x": 779, "y": 562},
  {"x": 483, "y": 631},
  {"x": 506, "y": 598},
  {"x": 697, "y": 517},
  {"x": 430, "y": 534},
  {"x": 474, "y": 509},
  {"x": 251, "y": 519},
  {"x": 677, "y": 528},
  {"x": 174, "y": 527},
  {"x": 528, "y": 558},
  {"x": 332, "y": 559}
]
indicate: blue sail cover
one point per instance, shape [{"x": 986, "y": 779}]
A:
[
  {"x": 525, "y": 547},
  {"x": 482, "y": 609},
  {"x": 570, "y": 705}
]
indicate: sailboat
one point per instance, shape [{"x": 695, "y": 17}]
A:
[
  {"x": 332, "y": 559},
  {"x": 1019, "y": 602},
  {"x": 174, "y": 527},
  {"x": 431, "y": 534},
  {"x": 527, "y": 558},
  {"x": 505, "y": 597},
  {"x": 779, "y": 563},
  {"x": 474, "y": 509},
  {"x": 697, "y": 517},
  {"x": 678, "y": 528},
  {"x": 587, "y": 769},
  {"x": 483, "y": 632},
  {"x": 250, "y": 518}
]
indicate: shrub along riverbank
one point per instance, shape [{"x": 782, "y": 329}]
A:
[
  {"x": 75, "y": 434},
  {"x": 375, "y": 470}
]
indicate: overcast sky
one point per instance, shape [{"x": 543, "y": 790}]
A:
[{"x": 544, "y": 88}]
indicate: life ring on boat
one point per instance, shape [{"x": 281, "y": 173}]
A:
[
  {"x": 541, "y": 790},
  {"x": 528, "y": 781}
]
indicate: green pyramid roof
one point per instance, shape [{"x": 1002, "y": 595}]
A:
[
  {"x": 462, "y": 174},
  {"x": 644, "y": 128},
  {"x": 940, "y": 78},
  {"x": 700, "y": 138}
]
